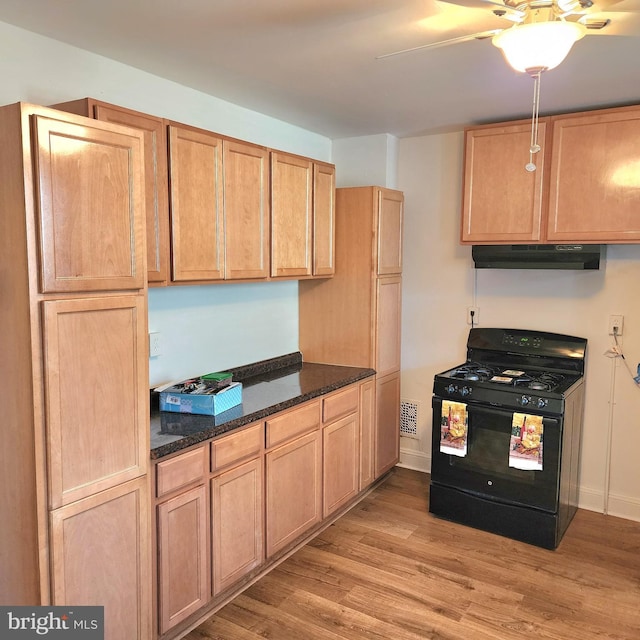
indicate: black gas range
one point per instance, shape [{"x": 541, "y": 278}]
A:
[
  {"x": 516, "y": 369},
  {"x": 507, "y": 427}
]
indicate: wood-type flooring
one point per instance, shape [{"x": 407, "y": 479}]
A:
[{"x": 388, "y": 570}]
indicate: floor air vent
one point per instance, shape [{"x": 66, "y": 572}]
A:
[{"x": 409, "y": 419}]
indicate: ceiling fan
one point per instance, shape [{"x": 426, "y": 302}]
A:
[
  {"x": 540, "y": 38},
  {"x": 576, "y": 17}
]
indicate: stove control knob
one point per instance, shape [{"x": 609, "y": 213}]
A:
[
  {"x": 451, "y": 388},
  {"x": 524, "y": 400},
  {"x": 542, "y": 402},
  {"x": 465, "y": 391}
]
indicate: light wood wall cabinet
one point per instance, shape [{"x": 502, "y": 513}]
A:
[
  {"x": 354, "y": 317},
  {"x": 246, "y": 210},
  {"x": 324, "y": 219},
  {"x": 583, "y": 190},
  {"x": 291, "y": 215},
  {"x": 302, "y": 217},
  {"x": 502, "y": 202},
  {"x": 196, "y": 201},
  {"x": 156, "y": 194},
  {"x": 75, "y": 527},
  {"x": 594, "y": 192},
  {"x": 219, "y": 207},
  {"x": 218, "y": 189}
]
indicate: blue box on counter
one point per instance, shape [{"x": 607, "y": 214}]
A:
[{"x": 175, "y": 400}]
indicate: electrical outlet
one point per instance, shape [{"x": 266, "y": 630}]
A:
[
  {"x": 615, "y": 325},
  {"x": 473, "y": 315},
  {"x": 155, "y": 344}
]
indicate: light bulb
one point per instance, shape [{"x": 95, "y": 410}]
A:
[{"x": 538, "y": 45}]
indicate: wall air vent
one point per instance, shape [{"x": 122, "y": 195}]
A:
[{"x": 409, "y": 419}]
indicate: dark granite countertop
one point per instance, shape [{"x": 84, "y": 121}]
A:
[{"x": 268, "y": 387}]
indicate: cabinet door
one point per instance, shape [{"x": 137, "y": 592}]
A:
[
  {"x": 183, "y": 574},
  {"x": 387, "y": 447},
  {"x": 389, "y": 301},
  {"x": 156, "y": 190},
  {"x": 101, "y": 555},
  {"x": 502, "y": 201},
  {"x": 293, "y": 490},
  {"x": 90, "y": 200},
  {"x": 594, "y": 193},
  {"x": 389, "y": 232},
  {"x": 195, "y": 176},
  {"x": 341, "y": 458},
  {"x": 367, "y": 417},
  {"x": 324, "y": 215},
  {"x": 246, "y": 210},
  {"x": 237, "y": 523},
  {"x": 97, "y": 392},
  {"x": 291, "y": 211}
]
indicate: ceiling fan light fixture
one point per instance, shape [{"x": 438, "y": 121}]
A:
[{"x": 538, "y": 46}]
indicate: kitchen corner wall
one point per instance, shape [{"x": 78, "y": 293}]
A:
[
  {"x": 439, "y": 283},
  {"x": 203, "y": 328}
]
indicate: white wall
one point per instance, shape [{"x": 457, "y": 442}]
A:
[
  {"x": 366, "y": 160},
  {"x": 439, "y": 283},
  {"x": 203, "y": 328}
]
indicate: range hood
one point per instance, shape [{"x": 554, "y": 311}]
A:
[{"x": 537, "y": 256}]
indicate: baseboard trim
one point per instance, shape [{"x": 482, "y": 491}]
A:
[
  {"x": 415, "y": 460},
  {"x": 619, "y": 506}
]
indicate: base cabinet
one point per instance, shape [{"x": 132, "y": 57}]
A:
[
  {"x": 293, "y": 490},
  {"x": 227, "y": 509},
  {"x": 100, "y": 548},
  {"x": 387, "y": 440},
  {"x": 366, "y": 421},
  {"x": 237, "y": 524},
  {"x": 183, "y": 561},
  {"x": 340, "y": 463}
]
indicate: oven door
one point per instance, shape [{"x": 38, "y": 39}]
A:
[{"x": 485, "y": 469}]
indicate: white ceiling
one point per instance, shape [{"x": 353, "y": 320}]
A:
[{"x": 313, "y": 62}]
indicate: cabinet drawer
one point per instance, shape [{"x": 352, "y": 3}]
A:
[
  {"x": 340, "y": 404},
  {"x": 293, "y": 423},
  {"x": 236, "y": 447},
  {"x": 180, "y": 471}
]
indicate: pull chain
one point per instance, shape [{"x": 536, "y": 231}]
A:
[{"x": 534, "y": 146}]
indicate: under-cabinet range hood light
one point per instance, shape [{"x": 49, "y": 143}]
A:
[{"x": 538, "y": 256}]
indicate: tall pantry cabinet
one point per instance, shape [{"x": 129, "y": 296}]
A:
[
  {"x": 74, "y": 506},
  {"x": 354, "y": 318}
]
